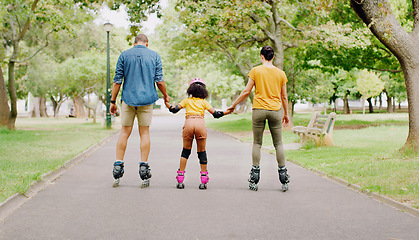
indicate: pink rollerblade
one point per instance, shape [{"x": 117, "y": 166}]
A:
[
  {"x": 180, "y": 177},
  {"x": 204, "y": 180}
]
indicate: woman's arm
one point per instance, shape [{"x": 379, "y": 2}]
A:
[
  {"x": 243, "y": 95},
  {"x": 284, "y": 100}
]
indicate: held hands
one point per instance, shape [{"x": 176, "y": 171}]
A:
[
  {"x": 229, "y": 110},
  {"x": 167, "y": 104},
  {"x": 166, "y": 99}
]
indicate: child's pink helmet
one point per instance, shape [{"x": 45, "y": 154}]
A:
[{"x": 197, "y": 80}]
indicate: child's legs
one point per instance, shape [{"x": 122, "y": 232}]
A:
[
  {"x": 258, "y": 126},
  {"x": 187, "y": 144},
  {"x": 201, "y": 144}
]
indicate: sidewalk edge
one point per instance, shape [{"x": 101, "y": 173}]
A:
[
  {"x": 15, "y": 201},
  {"x": 380, "y": 198}
]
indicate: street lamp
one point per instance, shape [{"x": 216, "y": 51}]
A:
[{"x": 108, "y": 26}]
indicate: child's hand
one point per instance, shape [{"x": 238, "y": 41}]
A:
[{"x": 228, "y": 111}]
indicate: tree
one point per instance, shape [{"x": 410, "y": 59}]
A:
[
  {"x": 369, "y": 85},
  {"x": 4, "y": 106},
  {"x": 24, "y": 16},
  {"x": 378, "y": 17}
]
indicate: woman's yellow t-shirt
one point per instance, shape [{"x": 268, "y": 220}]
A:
[
  {"x": 268, "y": 84},
  {"x": 195, "y": 106}
]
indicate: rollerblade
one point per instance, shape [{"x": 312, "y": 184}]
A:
[
  {"x": 180, "y": 177},
  {"x": 145, "y": 174},
  {"x": 283, "y": 178},
  {"x": 254, "y": 178},
  {"x": 118, "y": 172},
  {"x": 204, "y": 180}
]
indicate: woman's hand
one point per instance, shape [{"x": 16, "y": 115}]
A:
[{"x": 285, "y": 120}]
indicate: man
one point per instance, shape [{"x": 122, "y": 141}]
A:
[{"x": 138, "y": 69}]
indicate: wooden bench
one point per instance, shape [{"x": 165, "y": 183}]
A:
[{"x": 320, "y": 129}]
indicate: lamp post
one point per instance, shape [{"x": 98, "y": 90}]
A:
[{"x": 108, "y": 26}]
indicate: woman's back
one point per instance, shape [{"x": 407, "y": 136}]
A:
[{"x": 268, "y": 84}]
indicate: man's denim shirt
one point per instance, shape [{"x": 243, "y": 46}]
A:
[{"x": 140, "y": 68}]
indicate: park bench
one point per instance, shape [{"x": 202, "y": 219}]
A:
[{"x": 319, "y": 129}]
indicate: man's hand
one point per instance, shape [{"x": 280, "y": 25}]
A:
[
  {"x": 113, "y": 109},
  {"x": 166, "y": 99},
  {"x": 285, "y": 120},
  {"x": 167, "y": 104},
  {"x": 228, "y": 111}
]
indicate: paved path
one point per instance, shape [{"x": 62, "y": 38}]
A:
[{"x": 82, "y": 204}]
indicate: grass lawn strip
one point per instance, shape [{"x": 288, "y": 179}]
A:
[{"x": 28, "y": 154}]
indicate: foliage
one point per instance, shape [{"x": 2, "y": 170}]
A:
[
  {"x": 369, "y": 84},
  {"x": 137, "y": 12}
]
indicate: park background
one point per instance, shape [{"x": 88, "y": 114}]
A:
[{"x": 53, "y": 74}]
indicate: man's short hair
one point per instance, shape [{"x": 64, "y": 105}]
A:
[{"x": 141, "y": 38}]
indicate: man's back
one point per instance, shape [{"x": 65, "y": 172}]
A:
[{"x": 139, "y": 68}]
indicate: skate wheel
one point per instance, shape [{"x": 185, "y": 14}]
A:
[
  {"x": 145, "y": 183},
  {"x": 285, "y": 187},
  {"x": 253, "y": 186},
  {"x": 202, "y": 186},
  {"x": 116, "y": 183},
  {"x": 180, "y": 186}
]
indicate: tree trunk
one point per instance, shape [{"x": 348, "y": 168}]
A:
[
  {"x": 346, "y": 109},
  {"x": 54, "y": 105},
  {"x": 4, "y": 103},
  {"x": 79, "y": 107},
  {"x": 13, "y": 96},
  {"x": 35, "y": 113},
  {"x": 377, "y": 15},
  {"x": 389, "y": 104},
  {"x": 43, "y": 107},
  {"x": 370, "y": 106}
]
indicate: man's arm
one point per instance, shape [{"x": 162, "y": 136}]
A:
[
  {"x": 162, "y": 87},
  {"x": 115, "y": 91}
]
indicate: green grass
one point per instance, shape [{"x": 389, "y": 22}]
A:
[
  {"x": 366, "y": 152},
  {"x": 39, "y": 146},
  {"x": 370, "y": 158}
]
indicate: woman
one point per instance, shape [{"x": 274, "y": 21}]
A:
[{"x": 270, "y": 96}]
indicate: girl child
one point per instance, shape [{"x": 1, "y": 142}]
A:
[{"x": 195, "y": 106}]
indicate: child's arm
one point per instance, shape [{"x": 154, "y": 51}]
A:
[
  {"x": 174, "y": 109},
  {"x": 215, "y": 113}
]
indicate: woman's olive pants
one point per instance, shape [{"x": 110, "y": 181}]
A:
[{"x": 259, "y": 117}]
